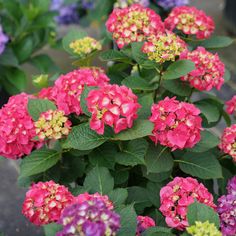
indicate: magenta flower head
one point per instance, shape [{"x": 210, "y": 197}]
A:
[
  {"x": 177, "y": 195},
  {"x": 228, "y": 141},
  {"x": 227, "y": 211},
  {"x": 190, "y": 21},
  {"x": 17, "y": 130},
  {"x": 176, "y": 124},
  {"x": 231, "y": 186},
  {"x": 89, "y": 218},
  {"x": 112, "y": 105},
  {"x": 209, "y": 69},
  {"x": 143, "y": 223},
  {"x": 133, "y": 24},
  {"x": 231, "y": 106},
  {"x": 68, "y": 88}
]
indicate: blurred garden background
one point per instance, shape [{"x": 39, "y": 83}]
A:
[{"x": 12, "y": 222}]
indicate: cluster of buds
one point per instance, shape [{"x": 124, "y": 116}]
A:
[
  {"x": 163, "y": 47},
  {"x": 127, "y": 3},
  {"x": 85, "y": 46},
  {"x": 143, "y": 223},
  {"x": 228, "y": 141},
  {"x": 231, "y": 186},
  {"x": 177, "y": 195},
  {"x": 68, "y": 88},
  {"x": 209, "y": 71},
  {"x": 231, "y": 106},
  {"x": 45, "y": 202},
  {"x": 17, "y": 130},
  {"x": 112, "y": 105},
  {"x": 176, "y": 124},
  {"x": 133, "y": 24},
  {"x": 90, "y": 218},
  {"x": 203, "y": 229},
  {"x": 190, "y": 21},
  {"x": 52, "y": 125}
]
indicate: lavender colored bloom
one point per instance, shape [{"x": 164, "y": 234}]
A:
[
  {"x": 168, "y": 4},
  {"x": 3, "y": 40},
  {"x": 88, "y": 4},
  {"x": 68, "y": 13},
  {"x": 227, "y": 211},
  {"x": 231, "y": 186},
  {"x": 126, "y": 3},
  {"x": 90, "y": 218}
]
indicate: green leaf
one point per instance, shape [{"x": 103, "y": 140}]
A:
[
  {"x": 38, "y": 161},
  {"x": 217, "y": 42},
  {"x": 136, "y": 82},
  {"x": 82, "y": 137},
  {"x": 227, "y": 75},
  {"x": 201, "y": 212},
  {"x": 141, "y": 128},
  {"x": 208, "y": 141},
  {"x": 153, "y": 192},
  {"x": 83, "y": 102},
  {"x": 178, "y": 69},
  {"x": 157, "y": 178},
  {"x": 158, "y": 160},
  {"x": 51, "y": 229},
  {"x": 137, "y": 53},
  {"x": 118, "y": 196},
  {"x": 158, "y": 231},
  {"x": 146, "y": 102},
  {"x": 99, "y": 180},
  {"x": 202, "y": 165},
  {"x": 73, "y": 35},
  {"x": 37, "y": 106},
  {"x": 8, "y": 58},
  {"x": 128, "y": 221},
  {"x": 133, "y": 154},
  {"x": 113, "y": 55}
]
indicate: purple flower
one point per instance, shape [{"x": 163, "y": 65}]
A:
[
  {"x": 88, "y": 4},
  {"x": 231, "y": 186},
  {"x": 168, "y": 4},
  {"x": 90, "y": 218},
  {"x": 227, "y": 212},
  {"x": 68, "y": 13},
  {"x": 3, "y": 40}
]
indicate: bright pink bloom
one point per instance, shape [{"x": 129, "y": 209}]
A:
[
  {"x": 143, "y": 223},
  {"x": 112, "y": 105},
  {"x": 68, "y": 88},
  {"x": 231, "y": 105},
  {"x": 133, "y": 24},
  {"x": 190, "y": 21},
  {"x": 17, "y": 129},
  {"x": 228, "y": 141},
  {"x": 177, "y": 195},
  {"x": 45, "y": 202},
  {"x": 209, "y": 71},
  {"x": 176, "y": 124},
  {"x": 97, "y": 196}
]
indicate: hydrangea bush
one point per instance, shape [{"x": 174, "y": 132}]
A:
[{"x": 127, "y": 149}]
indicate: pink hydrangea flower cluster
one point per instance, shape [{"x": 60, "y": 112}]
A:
[
  {"x": 177, "y": 195},
  {"x": 112, "y": 105},
  {"x": 143, "y": 223},
  {"x": 68, "y": 88},
  {"x": 209, "y": 71},
  {"x": 17, "y": 130},
  {"x": 176, "y": 124},
  {"x": 231, "y": 105},
  {"x": 89, "y": 197},
  {"x": 228, "y": 141},
  {"x": 45, "y": 202},
  {"x": 133, "y": 24},
  {"x": 190, "y": 21},
  {"x": 164, "y": 47}
]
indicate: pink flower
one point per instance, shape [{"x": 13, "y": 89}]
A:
[
  {"x": 114, "y": 106},
  {"x": 17, "y": 129},
  {"x": 44, "y": 202},
  {"x": 133, "y": 24},
  {"x": 144, "y": 222},
  {"x": 190, "y": 21},
  {"x": 84, "y": 197},
  {"x": 231, "y": 105},
  {"x": 68, "y": 88},
  {"x": 177, "y": 195},
  {"x": 228, "y": 141},
  {"x": 176, "y": 124},
  {"x": 209, "y": 70}
]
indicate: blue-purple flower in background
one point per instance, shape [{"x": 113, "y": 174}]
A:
[
  {"x": 168, "y": 4},
  {"x": 3, "y": 40}
]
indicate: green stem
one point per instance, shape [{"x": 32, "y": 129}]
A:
[{"x": 139, "y": 69}]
